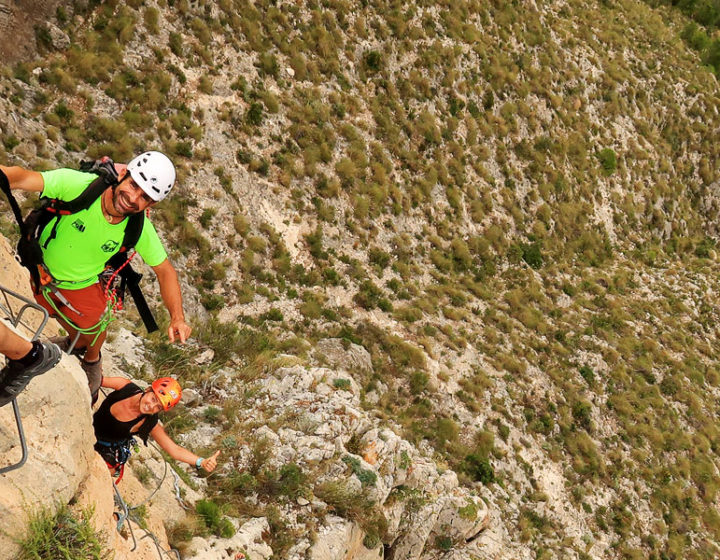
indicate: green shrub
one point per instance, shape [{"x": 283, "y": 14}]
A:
[
  {"x": 587, "y": 374},
  {"x": 254, "y": 115},
  {"x": 418, "y": 382},
  {"x": 212, "y": 516},
  {"x": 292, "y": 480},
  {"x": 342, "y": 384},
  {"x": 478, "y": 468},
  {"x": 369, "y": 296},
  {"x": 273, "y": 314},
  {"x": 581, "y": 411},
  {"x": 365, "y": 476},
  {"x": 176, "y": 44},
  {"x": 267, "y": 65},
  {"x": 531, "y": 255},
  {"x": 379, "y": 257},
  {"x": 443, "y": 543},
  {"x": 608, "y": 161},
  {"x": 61, "y": 535},
  {"x": 373, "y": 60}
]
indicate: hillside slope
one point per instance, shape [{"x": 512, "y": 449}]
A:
[{"x": 510, "y": 205}]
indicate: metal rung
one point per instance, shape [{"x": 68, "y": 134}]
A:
[{"x": 15, "y": 317}]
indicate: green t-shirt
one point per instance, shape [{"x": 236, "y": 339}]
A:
[{"x": 85, "y": 240}]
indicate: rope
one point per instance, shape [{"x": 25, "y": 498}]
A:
[
  {"x": 128, "y": 517},
  {"x": 159, "y": 484},
  {"x": 176, "y": 485},
  {"x": 105, "y": 319},
  {"x": 114, "y": 304}
]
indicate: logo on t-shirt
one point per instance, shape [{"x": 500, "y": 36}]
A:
[
  {"x": 79, "y": 225},
  {"x": 109, "y": 246}
]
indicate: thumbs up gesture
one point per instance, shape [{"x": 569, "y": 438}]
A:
[{"x": 210, "y": 463}]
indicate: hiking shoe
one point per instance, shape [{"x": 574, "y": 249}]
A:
[
  {"x": 63, "y": 342},
  {"x": 94, "y": 372},
  {"x": 14, "y": 377}
]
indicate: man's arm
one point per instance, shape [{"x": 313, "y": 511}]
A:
[
  {"x": 170, "y": 292},
  {"x": 24, "y": 179}
]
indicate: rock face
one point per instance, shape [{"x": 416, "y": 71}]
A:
[
  {"x": 344, "y": 355},
  {"x": 62, "y": 466},
  {"x": 58, "y": 428},
  {"x": 319, "y": 424},
  {"x": 248, "y": 540},
  {"x": 18, "y": 19},
  {"x": 340, "y": 538}
]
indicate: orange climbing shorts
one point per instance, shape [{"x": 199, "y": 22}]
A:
[{"x": 86, "y": 305}]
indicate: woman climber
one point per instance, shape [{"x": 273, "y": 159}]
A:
[{"x": 129, "y": 411}]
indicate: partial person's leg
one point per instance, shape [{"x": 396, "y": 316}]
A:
[
  {"x": 13, "y": 345},
  {"x": 25, "y": 361},
  {"x": 86, "y": 307}
]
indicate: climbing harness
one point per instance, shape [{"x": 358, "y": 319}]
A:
[
  {"x": 116, "y": 454},
  {"x": 30, "y": 252}
]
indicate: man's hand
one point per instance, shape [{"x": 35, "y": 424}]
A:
[{"x": 179, "y": 330}]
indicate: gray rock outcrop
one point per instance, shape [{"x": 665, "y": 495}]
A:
[{"x": 315, "y": 419}]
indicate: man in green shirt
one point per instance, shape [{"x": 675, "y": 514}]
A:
[{"x": 83, "y": 242}]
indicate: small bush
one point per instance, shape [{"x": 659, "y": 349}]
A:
[
  {"x": 418, "y": 382},
  {"x": 365, "y": 476},
  {"x": 479, "y": 468},
  {"x": 587, "y": 374},
  {"x": 210, "y": 513},
  {"x": 373, "y": 60},
  {"x": 61, "y": 535},
  {"x": 254, "y": 115},
  {"x": 531, "y": 255},
  {"x": 292, "y": 480},
  {"x": 342, "y": 384},
  {"x": 608, "y": 161}
]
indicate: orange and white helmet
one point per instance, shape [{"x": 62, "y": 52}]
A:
[{"x": 168, "y": 392}]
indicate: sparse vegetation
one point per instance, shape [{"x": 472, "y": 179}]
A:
[
  {"x": 516, "y": 221},
  {"x": 61, "y": 534}
]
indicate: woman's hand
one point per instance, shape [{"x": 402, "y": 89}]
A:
[{"x": 210, "y": 463}]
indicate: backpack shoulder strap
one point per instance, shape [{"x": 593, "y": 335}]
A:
[
  {"x": 106, "y": 177},
  {"x": 83, "y": 201},
  {"x": 133, "y": 231},
  {"x": 5, "y": 186}
]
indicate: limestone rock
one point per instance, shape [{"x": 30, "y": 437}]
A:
[
  {"x": 248, "y": 539},
  {"x": 190, "y": 397},
  {"x": 125, "y": 348},
  {"x": 56, "y": 418},
  {"x": 59, "y": 40},
  {"x": 340, "y": 539},
  {"x": 313, "y": 424},
  {"x": 205, "y": 357},
  {"x": 352, "y": 358},
  {"x": 460, "y": 517}
]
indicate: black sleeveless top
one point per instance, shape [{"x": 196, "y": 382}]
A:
[{"x": 110, "y": 429}]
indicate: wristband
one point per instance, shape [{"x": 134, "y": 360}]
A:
[{"x": 198, "y": 463}]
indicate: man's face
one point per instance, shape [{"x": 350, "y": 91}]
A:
[{"x": 128, "y": 198}]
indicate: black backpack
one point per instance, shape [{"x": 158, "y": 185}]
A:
[{"x": 30, "y": 251}]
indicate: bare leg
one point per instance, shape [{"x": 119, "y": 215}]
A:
[{"x": 12, "y": 345}]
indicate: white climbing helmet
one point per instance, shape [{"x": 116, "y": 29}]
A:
[{"x": 154, "y": 173}]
